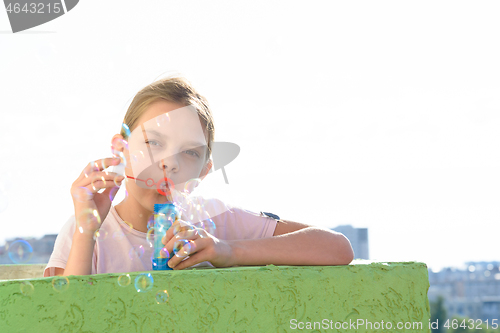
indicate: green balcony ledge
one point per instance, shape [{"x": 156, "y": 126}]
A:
[{"x": 361, "y": 297}]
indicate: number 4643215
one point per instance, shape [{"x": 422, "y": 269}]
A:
[
  {"x": 34, "y": 8},
  {"x": 471, "y": 324}
]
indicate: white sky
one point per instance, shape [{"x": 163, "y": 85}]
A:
[{"x": 381, "y": 114}]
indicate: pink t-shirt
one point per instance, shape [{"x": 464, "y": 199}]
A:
[{"x": 123, "y": 249}]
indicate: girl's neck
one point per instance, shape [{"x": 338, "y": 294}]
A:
[{"x": 134, "y": 213}]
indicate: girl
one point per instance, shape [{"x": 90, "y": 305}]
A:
[{"x": 164, "y": 146}]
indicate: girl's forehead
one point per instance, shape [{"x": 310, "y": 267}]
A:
[{"x": 164, "y": 120}]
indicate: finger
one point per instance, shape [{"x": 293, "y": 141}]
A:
[
  {"x": 182, "y": 249},
  {"x": 192, "y": 260},
  {"x": 110, "y": 178},
  {"x": 179, "y": 226},
  {"x": 170, "y": 243},
  {"x": 168, "y": 236},
  {"x": 100, "y": 165},
  {"x": 102, "y": 180}
]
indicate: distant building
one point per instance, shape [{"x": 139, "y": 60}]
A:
[
  {"x": 358, "y": 238},
  {"x": 472, "y": 292},
  {"x": 42, "y": 249}
]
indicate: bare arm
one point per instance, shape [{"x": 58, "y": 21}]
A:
[
  {"x": 80, "y": 256},
  {"x": 293, "y": 243}
]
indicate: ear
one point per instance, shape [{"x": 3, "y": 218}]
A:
[
  {"x": 206, "y": 169},
  {"x": 118, "y": 143}
]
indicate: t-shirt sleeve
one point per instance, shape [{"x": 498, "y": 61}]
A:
[
  {"x": 62, "y": 246},
  {"x": 239, "y": 223}
]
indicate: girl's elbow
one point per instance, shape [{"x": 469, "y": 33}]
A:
[{"x": 345, "y": 253}]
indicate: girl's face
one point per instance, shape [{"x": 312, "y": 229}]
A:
[{"x": 165, "y": 150}]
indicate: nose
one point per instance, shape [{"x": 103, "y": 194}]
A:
[{"x": 169, "y": 164}]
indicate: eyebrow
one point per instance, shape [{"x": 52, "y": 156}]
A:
[{"x": 194, "y": 143}]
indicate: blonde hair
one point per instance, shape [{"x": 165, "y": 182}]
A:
[{"x": 175, "y": 90}]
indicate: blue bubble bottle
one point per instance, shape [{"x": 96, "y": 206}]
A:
[{"x": 164, "y": 216}]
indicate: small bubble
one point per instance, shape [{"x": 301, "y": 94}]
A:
[
  {"x": 164, "y": 253},
  {"x": 191, "y": 185},
  {"x": 209, "y": 226},
  {"x": 20, "y": 251},
  {"x": 27, "y": 288},
  {"x": 136, "y": 251},
  {"x": 126, "y": 129},
  {"x": 151, "y": 222},
  {"x": 127, "y": 226},
  {"x": 162, "y": 297},
  {"x": 82, "y": 194},
  {"x": 88, "y": 218},
  {"x": 118, "y": 235},
  {"x": 124, "y": 280},
  {"x": 95, "y": 180},
  {"x": 100, "y": 235},
  {"x": 184, "y": 229},
  {"x": 143, "y": 282},
  {"x": 60, "y": 283},
  {"x": 112, "y": 193},
  {"x": 150, "y": 235},
  {"x": 182, "y": 248}
]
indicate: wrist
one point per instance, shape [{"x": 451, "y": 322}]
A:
[
  {"x": 237, "y": 253},
  {"x": 86, "y": 235}
]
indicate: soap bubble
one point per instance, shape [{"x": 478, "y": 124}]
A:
[
  {"x": 184, "y": 229},
  {"x": 143, "y": 282},
  {"x": 88, "y": 218},
  {"x": 118, "y": 235},
  {"x": 127, "y": 226},
  {"x": 112, "y": 193},
  {"x": 27, "y": 288},
  {"x": 162, "y": 297},
  {"x": 82, "y": 194},
  {"x": 165, "y": 220},
  {"x": 191, "y": 185},
  {"x": 95, "y": 180},
  {"x": 164, "y": 253},
  {"x": 209, "y": 226},
  {"x": 124, "y": 280},
  {"x": 100, "y": 235},
  {"x": 20, "y": 251},
  {"x": 151, "y": 222},
  {"x": 117, "y": 181},
  {"x": 118, "y": 143},
  {"x": 135, "y": 252},
  {"x": 126, "y": 129},
  {"x": 162, "y": 120},
  {"x": 60, "y": 283},
  {"x": 150, "y": 237},
  {"x": 182, "y": 248},
  {"x": 92, "y": 167}
]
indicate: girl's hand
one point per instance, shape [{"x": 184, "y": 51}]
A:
[
  {"x": 91, "y": 207},
  {"x": 203, "y": 247}
]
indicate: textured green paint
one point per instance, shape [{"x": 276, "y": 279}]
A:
[{"x": 244, "y": 299}]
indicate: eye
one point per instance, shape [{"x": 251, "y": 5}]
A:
[
  {"x": 152, "y": 142},
  {"x": 192, "y": 153}
]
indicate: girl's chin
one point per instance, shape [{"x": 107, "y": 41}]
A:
[{"x": 162, "y": 198}]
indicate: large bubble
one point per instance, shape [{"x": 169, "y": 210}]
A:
[
  {"x": 20, "y": 252},
  {"x": 144, "y": 282}
]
